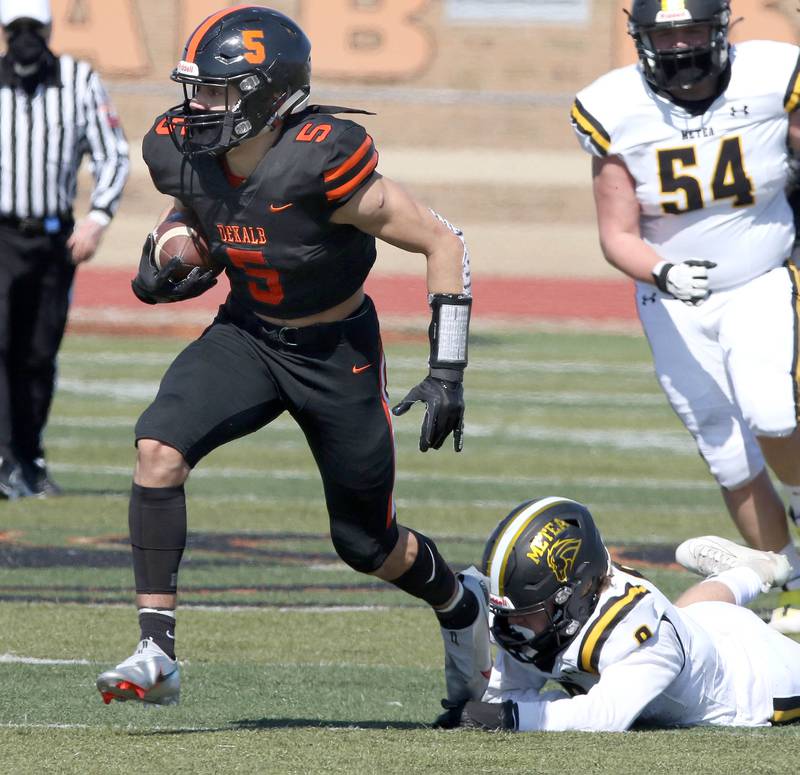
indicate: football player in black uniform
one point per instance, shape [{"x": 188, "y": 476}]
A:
[{"x": 290, "y": 202}]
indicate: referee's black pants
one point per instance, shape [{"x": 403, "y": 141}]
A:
[{"x": 36, "y": 273}]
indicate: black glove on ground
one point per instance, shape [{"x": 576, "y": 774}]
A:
[{"x": 489, "y": 716}]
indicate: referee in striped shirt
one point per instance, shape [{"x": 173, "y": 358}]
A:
[{"x": 53, "y": 111}]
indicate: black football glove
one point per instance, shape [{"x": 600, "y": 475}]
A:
[
  {"x": 473, "y": 714},
  {"x": 444, "y": 412},
  {"x": 156, "y": 286}
]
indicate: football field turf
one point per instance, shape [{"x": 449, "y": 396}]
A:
[{"x": 292, "y": 663}]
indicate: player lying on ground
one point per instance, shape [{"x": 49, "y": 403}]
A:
[
  {"x": 290, "y": 202},
  {"x": 623, "y": 654}
]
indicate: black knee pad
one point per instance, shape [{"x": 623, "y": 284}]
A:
[
  {"x": 363, "y": 552},
  {"x": 429, "y": 577},
  {"x": 157, "y": 524}
]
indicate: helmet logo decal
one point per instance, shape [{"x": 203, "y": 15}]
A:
[
  {"x": 561, "y": 557},
  {"x": 254, "y": 48},
  {"x": 673, "y": 11},
  {"x": 187, "y": 68},
  {"x": 501, "y": 602},
  {"x": 543, "y": 540}
]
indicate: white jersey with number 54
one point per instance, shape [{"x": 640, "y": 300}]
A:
[{"x": 710, "y": 185}]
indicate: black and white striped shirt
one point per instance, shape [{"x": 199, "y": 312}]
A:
[{"x": 44, "y": 136}]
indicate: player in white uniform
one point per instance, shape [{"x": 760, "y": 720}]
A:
[
  {"x": 623, "y": 654},
  {"x": 691, "y": 162}
]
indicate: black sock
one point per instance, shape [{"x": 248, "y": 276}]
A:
[
  {"x": 462, "y": 615},
  {"x": 160, "y": 628},
  {"x": 429, "y": 577}
]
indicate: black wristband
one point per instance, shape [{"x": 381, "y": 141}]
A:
[
  {"x": 449, "y": 331},
  {"x": 448, "y": 375},
  {"x": 661, "y": 277}
]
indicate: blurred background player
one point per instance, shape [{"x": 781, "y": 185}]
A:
[
  {"x": 623, "y": 654},
  {"x": 290, "y": 202},
  {"x": 690, "y": 169},
  {"x": 53, "y": 110}
]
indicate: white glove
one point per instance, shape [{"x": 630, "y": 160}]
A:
[{"x": 687, "y": 281}]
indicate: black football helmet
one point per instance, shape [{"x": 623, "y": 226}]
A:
[
  {"x": 546, "y": 555},
  {"x": 680, "y": 68},
  {"x": 261, "y": 52}
]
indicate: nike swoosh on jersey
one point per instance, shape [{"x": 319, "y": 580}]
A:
[
  {"x": 359, "y": 369},
  {"x": 280, "y": 208},
  {"x": 433, "y": 562}
]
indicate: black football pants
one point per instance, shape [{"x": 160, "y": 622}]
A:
[
  {"x": 241, "y": 374},
  {"x": 36, "y": 274}
]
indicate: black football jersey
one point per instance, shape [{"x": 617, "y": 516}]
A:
[{"x": 273, "y": 233}]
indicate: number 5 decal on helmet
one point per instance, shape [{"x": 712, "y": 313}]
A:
[{"x": 255, "y": 53}]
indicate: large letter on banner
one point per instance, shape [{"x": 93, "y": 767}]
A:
[
  {"x": 378, "y": 40},
  {"x": 191, "y": 15},
  {"x": 106, "y": 32}
]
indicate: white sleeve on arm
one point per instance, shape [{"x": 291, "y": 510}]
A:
[
  {"x": 615, "y": 702},
  {"x": 466, "y": 272},
  {"x": 107, "y": 146}
]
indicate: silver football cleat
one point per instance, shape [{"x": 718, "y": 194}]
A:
[
  {"x": 467, "y": 652},
  {"x": 148, "y": 675}
]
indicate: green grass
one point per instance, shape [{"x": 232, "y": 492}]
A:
[{"x": 275, "y": 677}]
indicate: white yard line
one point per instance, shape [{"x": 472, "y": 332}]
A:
[
  {"x": 141, "y": 390},
  {"x": 16, "y": 659},
  {"x": 18, "y": 725},
  {"x": 598, "y": 482},
  {"x": 675, "y": 442},
  {"x": 523, "y": 363}
]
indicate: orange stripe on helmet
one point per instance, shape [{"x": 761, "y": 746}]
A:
[
  {"x": 197, "y": 35},
  {"x": 338, "y": 193},
  {"x": 348, "y": 164}
]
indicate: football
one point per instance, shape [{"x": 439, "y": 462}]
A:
[{"x": 176, "y": 236}]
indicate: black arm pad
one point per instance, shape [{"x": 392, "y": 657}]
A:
[{"x": 448, "y": 333}]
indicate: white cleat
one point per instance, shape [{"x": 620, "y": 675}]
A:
[
  {"x": 467, "y": 653},
  {"x": 148, "y": 675},
  {"x": 708, "y": 555}
]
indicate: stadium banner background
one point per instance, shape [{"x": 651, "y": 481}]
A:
[{"x": 471, "y": 113}]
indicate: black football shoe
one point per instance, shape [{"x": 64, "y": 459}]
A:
[
  {"x": 12, "y": 482},
  {"x": 38, "y": 481}
]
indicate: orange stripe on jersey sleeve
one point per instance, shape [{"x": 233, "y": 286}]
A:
[
  {"x": 348, "y": 164},
  {"x": 194, "y": 41},
  {"x": 338, "y": 193}
]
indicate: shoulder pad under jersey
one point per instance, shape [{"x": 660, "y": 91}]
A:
[
  {"x": 164, "y": 161},
  {"x": 600, "y": 107},
  {"x": 333, "y": 157},
  {"x": 625, "y": 620},
  {"x": 768, "y": 67}
]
